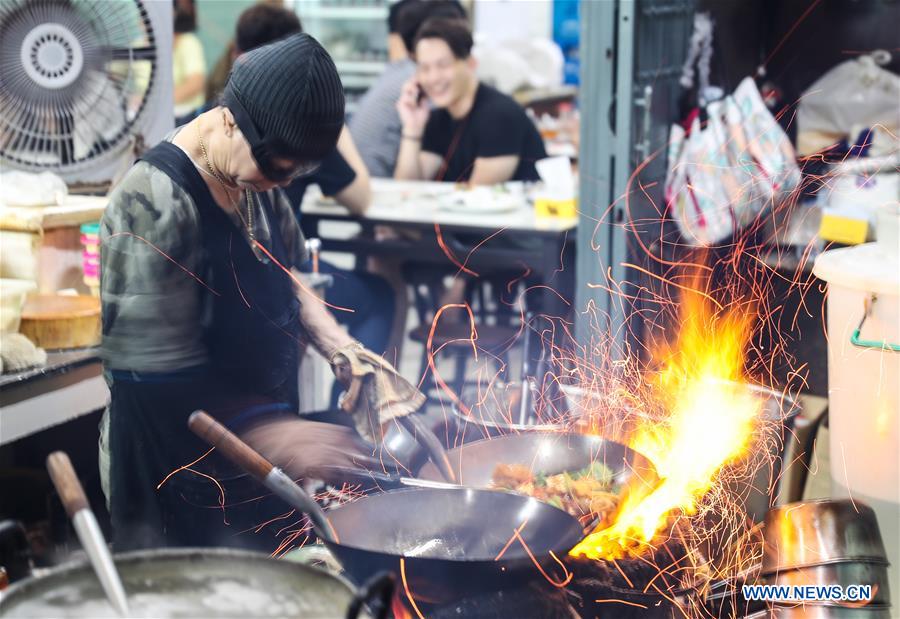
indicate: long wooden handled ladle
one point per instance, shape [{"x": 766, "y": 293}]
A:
[
  {"x": 276, "y": 480},
  {"x": 74, "y": 500}
]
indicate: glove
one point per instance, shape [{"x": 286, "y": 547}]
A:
[
  {"x": 312, "y": 449},
  {"x": 376, "y": 393}
]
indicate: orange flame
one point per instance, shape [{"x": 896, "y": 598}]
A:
[{"x": 708, "y": 422}]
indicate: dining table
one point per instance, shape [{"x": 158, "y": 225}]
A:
[{"x": 442, "y": 223}]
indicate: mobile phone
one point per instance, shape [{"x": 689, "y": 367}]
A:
[{"x": 421, "y": 94}]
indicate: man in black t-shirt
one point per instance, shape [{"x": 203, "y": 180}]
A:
[{"x": 475, "y": 133}]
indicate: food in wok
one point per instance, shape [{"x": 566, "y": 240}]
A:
[{"x": 591, "y": 491}]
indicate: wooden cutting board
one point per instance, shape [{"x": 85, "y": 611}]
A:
[
  {"x": 76, "y": 210},
  {"x": 58, "y": 321}
]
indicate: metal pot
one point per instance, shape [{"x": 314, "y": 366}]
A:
[
  {"x": 821, "y": 532},
  {"x": 548, "y": 453},
  {"x": 811, "y": 611},
  {"x": 507, "y": 408},
  {"x": 193, "y": 582},
  {"x": 844, "y": 574}
]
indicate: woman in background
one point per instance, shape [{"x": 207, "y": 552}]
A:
[{"x": 188, "y": 63}]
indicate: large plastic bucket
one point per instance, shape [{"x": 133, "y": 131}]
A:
[{"x": 864, "y": 381}]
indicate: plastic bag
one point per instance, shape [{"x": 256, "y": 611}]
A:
[
  {"x": 768, "y": 147},
  {"x": 854, "y": 93},
  {"x": 723, "y": 175},
  {"x": 27, "y": 189}
]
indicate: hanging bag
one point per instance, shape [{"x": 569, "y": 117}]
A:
[{"x": 724, "y": 172}]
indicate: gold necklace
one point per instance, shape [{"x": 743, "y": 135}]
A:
[{"x": 248, "y": 221}]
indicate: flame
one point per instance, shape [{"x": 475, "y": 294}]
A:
[
  {"x": 707, "y": 421},
  {"x": 398, "y": 610}
]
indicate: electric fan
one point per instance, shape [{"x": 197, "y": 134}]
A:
[{"x": 84, "y": 84}]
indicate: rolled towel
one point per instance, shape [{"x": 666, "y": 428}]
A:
[
  {"x": 376, "y": 393},
  {"x": 17, "y": 353}
]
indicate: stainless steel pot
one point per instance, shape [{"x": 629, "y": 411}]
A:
[
  {"x": 499, "y": 412},
  {"x": 811, "y": 611},
  {"x": 193, "y": 582},
  {"x": 821, "y": 532},
  {"x": 844, "y": 574}
]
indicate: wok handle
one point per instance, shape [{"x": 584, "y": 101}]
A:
[
  {"x": 203, "y": 425},
  {"x": 432, "y": 444},
  {"x": 276, "y": 480},
  {"x": 363, "y": 477},
  {"x": 380, "y": 589},
  {"x": 384, "y": 481},
  {"x": 66, "y": 483}
]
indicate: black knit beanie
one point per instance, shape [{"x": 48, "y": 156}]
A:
[{"x": 293, "y": 95}]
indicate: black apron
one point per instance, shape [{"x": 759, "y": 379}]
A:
[{"x": 252, "y": 332}]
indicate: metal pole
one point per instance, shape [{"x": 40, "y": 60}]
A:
[{"x": 605, "y": 101}]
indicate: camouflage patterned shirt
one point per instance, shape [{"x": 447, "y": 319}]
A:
[{"x": 153, "y": 269}]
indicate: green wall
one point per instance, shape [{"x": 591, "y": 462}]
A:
[{"x": 215, "y": 25}]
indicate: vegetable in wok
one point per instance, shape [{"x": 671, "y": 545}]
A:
[{"x": 590, "y": 491}]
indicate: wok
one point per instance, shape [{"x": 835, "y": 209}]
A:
[
  {"x": 441, "y": 542},
  {"x": 544, "y": 452},
  {"x": 449, "y": 542}
]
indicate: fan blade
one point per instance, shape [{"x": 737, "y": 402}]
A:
[{"x": 129, "y": 53}]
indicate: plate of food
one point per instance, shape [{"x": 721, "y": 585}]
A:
[{"x": 481, "y": 200}]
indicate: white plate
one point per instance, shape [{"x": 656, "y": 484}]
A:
[{"x": 480, "y": 200}]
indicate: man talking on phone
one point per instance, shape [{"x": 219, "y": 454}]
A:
[{"x": 474, "y": 133}]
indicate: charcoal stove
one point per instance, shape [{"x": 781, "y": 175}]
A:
[
  {"x": 585, "y": 597},
  {"x": 593, "y": 592},
  {"x": 630, "y": 588},
  {"x": 529, "y": 602}
]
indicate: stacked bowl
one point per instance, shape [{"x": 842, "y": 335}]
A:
[
  {"x": 90, "y": 256},
  {"x": 825, "y": 543}
]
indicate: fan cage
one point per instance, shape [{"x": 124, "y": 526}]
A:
[{"x": 75, "y": 80}]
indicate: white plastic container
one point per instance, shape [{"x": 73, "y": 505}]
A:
[{"x": 864, "y": 381}]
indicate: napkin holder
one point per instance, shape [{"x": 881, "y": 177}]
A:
[{"x": 556, "y": 199}]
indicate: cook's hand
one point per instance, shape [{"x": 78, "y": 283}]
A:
[
  {"x": 342, "y": 360},
  {"x": 413, "y": 113},
  {"x": 340, "y": 366},
  {"x": 312, "y": 449}
]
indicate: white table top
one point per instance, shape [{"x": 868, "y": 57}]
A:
[{"x": 417, "y": 203}]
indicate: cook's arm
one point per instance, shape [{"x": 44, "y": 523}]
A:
[
  {"x": 409, "y": 164},
  {"x": 324, "y": 331},
  {"x": 413, "y": 164}
]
